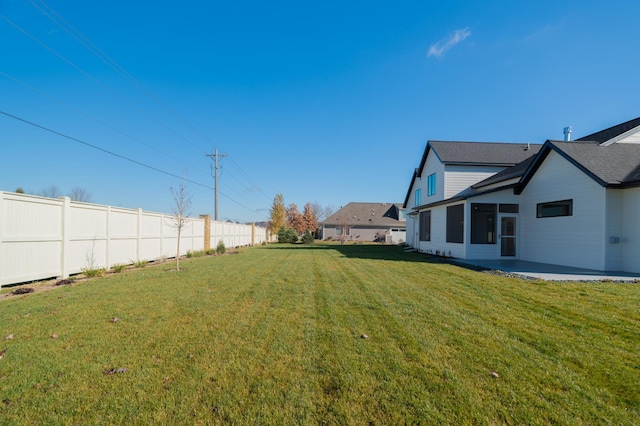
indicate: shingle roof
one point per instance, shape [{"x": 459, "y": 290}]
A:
[
  {"x": 483, "y": 153},
  {"x": 510, "y": 173},
  {"x": 366, "y": 214},
  {"x": 617, "y": 164},
  {"x": 612, "y": 132}
]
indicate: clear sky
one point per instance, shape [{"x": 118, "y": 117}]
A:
[{"x": 327, "y": 102}]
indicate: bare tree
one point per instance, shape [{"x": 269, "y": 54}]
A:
[
  {"x": 51, "y": 192},
  {"x": 181, "y": 205},
  {"x": 80, "y": 194}
]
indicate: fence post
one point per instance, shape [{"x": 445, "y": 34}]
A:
[
  {"x": 207, "y": 231},
  {"x": 65, "y": 251},
  {"x": 138, "y": 235}
]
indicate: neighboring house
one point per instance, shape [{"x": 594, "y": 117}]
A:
[
  {"x": 381, "y": 222},
  {"x": 563, "y": 202}
]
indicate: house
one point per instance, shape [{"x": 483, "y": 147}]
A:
[
  {"x": 380, "y": 222},
  {"x": 571, "y": 203}
]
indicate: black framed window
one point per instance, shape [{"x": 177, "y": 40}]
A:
[
  {"x": 483, "y": 223},
  {"x": 455, "y": 224},
  {"x": 425, "y": 226},
  {"x": 555, "y": 209}
]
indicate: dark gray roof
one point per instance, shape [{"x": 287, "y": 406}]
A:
[
  {"x": 366, "y": 214},
  {"x": 617, "y": 164},
  {"x": 612, "y": 132},
  {"x": 483, "y": 153},
  {"x": 510, "y": 173}
]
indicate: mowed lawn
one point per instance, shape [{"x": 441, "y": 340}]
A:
[{"x": 273, "y": 335}]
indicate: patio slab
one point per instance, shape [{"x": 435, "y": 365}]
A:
[{"x": 549, "y": 272}]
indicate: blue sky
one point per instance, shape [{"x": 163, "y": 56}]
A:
[{"x": 326, "y": 102}]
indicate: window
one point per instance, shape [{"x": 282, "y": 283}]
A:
[
  {"x": 483, "y": 223},
  {"x": 431, "y": 184},
  {"x": 403, "y": 214},
  {"x": 455, "y": 224},
  {"x": 509, "y": 208},
  {"x": 418, "y": 193},
  {"x": 339, "y": 231},
  {"x": 555, "y": 209},
  {"x": 425, "y": 226}
]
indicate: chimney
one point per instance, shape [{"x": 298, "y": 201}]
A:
[{"x": 567, "y": 133}]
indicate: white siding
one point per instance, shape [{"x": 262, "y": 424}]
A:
[
  {"x": 438, "y": 244},
  {"x": 433, "y": 165},
  {"x": 631, "y": 230},
  {"x": 576, "y": 240},
  {"x": 490, "y": 251},
  {"x": 459, "y": 178}
]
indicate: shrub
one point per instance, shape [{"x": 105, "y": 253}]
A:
[
  {"x": 211, "y": 251},
  {"x": 118, "y": 267},
  {"x": 287, "y": 235},
  {"x": 139, "y": 263},
  {"x": 93, "y": 272},
  {"x": 189, "y": 254},
  {"x": 307, "y": 238},
  {"x": 221, "y": 249}
]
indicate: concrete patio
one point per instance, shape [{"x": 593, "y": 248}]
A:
[{"x": 551, "y": 272}]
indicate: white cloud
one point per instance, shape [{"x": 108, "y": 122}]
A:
[{"x": 441, "y": 47}]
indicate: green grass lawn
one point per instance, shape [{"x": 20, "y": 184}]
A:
[{"x": 273, "y": 336}]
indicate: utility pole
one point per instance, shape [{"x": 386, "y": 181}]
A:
[{"x": 216, "y": 157}]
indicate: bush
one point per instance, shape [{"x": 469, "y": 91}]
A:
[
  {"x": 287, "y": 235},
  {"x": 307, "y": 238},
  {"x": 221, "y": 249},
  {"x": 118, "y": 267},
  {"x": 93, "y": 272},
  {"x": 139, "y": 263}
]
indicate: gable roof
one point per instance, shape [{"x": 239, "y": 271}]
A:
[
  {"x": 366, "y": 214},
  {"x": 497, "y": 154},
  {"x": 612, "y": 132},
  {"x": 483, "y": 153},
  {"x": 616, "y": 165}
]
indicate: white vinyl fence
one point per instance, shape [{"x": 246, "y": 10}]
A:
[{"x": 46, "y": 238}]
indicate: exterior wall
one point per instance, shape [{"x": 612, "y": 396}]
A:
[
  {"x": 43, "y": 237},
  {"x": 577, "y": 240},
  {"x": 460, "y": 178},
  {"x": 630, "y": 238},
  {"x": 490, "y": 251},
  {"x": 366, "y": 233},
  {"x": 438, "y": 244}
]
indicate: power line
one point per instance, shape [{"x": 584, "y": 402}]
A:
[
  {"x": 87, "y": 74},
  {"x": 61, "y": 102},
  {"x": 101, "y": 149},
  {"x": 111, "y": 63}
]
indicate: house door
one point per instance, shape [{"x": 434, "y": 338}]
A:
[{"x": 507, "y": 236}]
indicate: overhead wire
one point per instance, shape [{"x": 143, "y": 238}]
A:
[
  {"x": 89, "y": 75},
  {"x": 97, "y": 120},
  {"x": 140, "y": 163},
  {"x": 85, "y": 42}
]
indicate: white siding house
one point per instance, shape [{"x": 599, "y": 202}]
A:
[{"x": 565, "y": 203}]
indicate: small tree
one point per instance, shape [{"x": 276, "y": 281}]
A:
[
  {"x": 277, "y": 218},
  {"x": 307, "y": 238},
  {"x": 80, "y": 194},
  {"x": 19, "y": 190},
  {"x": 181, "y": 206},
  {"x": 51, "y": 192}
]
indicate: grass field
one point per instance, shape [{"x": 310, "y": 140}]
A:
[{"x": 273, "y": 336}]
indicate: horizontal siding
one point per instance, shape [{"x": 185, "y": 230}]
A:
[
  {"x": 460, "y": 178},
  {"x": 576, "y": 240}
]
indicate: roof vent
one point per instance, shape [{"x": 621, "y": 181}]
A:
[{"x": 567, "y": 133}]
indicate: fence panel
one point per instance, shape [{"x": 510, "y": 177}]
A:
[{"x": 45, "y": 238}]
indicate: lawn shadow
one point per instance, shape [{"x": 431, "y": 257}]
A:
[{"x": 364, "y": 251}]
